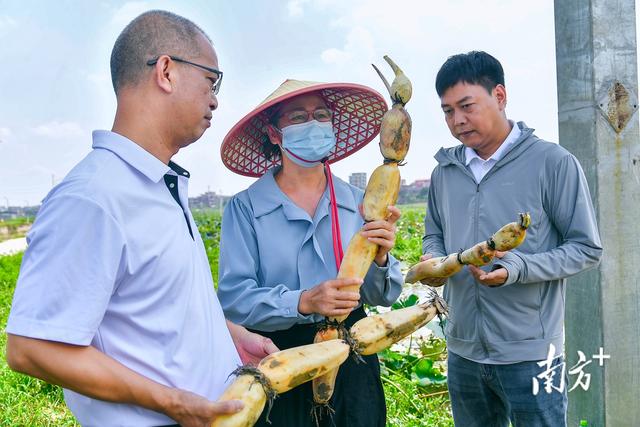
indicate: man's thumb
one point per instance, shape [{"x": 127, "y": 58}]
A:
[{"x": 425, "y": 257}]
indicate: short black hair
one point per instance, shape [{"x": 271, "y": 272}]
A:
[
  {"x": 475, "y": 67},
  {"x": 156, "y": 32}
]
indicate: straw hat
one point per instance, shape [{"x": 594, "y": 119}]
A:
[{"x": 357, "y": 110}]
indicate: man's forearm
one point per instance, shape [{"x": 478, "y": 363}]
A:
[
  {"x": 87, "y": 371},
  {"x": 558, "y": 263}
]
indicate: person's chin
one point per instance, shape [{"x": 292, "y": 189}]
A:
[
  {"x": 206, "y": 124},
  {"x": 470, "y": 139},
  {"x": 197, "y": 134}
]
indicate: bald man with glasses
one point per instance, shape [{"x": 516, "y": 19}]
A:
[{"x": 115, "y": 301}]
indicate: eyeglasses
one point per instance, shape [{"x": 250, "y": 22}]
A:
[
  {"x": 301, "y": 116},
  {"x": 216, "y": 83}
]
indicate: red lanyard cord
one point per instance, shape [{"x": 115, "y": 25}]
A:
[
  {"x": 300, "y": 158},
  {"x": 335, "y": 223}
]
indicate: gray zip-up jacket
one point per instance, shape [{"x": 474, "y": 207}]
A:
[{"x": 517, "y": 321}]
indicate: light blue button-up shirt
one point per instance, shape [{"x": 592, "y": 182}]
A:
[
  {"x": 271, "y": 250},
  {"x": 111, "y": 264}
]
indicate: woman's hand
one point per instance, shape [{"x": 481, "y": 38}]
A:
[
  {"x": 383, "y": 234},
  {"x": 328, "y": 299},
  {"x": 251, "y": 347}
]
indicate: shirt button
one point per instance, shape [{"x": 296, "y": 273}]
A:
[
  {"x": 288, "y": 311},
  {"x": 172, "y": 185},
  {"x": 185, "y": 173}
]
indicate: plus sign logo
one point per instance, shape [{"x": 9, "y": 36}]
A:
[
  {"x": 600, "y": 357},
  {"x": 554, "y": 370}
]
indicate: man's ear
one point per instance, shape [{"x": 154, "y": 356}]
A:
[
  {"x": 164, "y": 74},
  {"x": 500, "y": 93},
  {"x": 274, "y": 135}
]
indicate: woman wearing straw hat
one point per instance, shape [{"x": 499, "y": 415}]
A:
[{"x": 283, "y": 238}]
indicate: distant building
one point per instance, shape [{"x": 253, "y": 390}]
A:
[
  {"x": 416, "y": 192},
  {"x": 13, "y": 212},
  {"x": 358, "y": 179},
  {"x": 421, "y": 183},
  {"x": 208, "y": 200}
]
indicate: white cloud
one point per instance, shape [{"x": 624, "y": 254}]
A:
[
  {"x": 5, "y": 133},
  {"x": 294, "y": 8},
  {"x": 57, "y": 129},
  {"x": 335, "y": 56},
  {"x": 7, "y": 23},
  {"x": 403, "y": 24},
  {"x": 406, "y": 20},
  {"x": 128, "y": 11},
  {"x": 359, "y": 45}
]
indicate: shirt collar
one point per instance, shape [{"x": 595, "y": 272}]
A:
[
  {"x": 266, "y": 196},
  {"x": 136, "y": 156},
  {"x": 513, "y": 136}
]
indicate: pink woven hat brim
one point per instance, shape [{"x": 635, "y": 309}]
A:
[{"x": 357, "y": 109}]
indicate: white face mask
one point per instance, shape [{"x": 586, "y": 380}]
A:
[{"x": 307, "y": 144}]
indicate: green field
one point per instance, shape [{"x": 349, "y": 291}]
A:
[
  {"x": 24, "y": 401},
  {"x": 414, "y": 386},
  {"x": 413, "y": 207}
]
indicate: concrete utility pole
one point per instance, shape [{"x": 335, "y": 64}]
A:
[{"x": 596, "y": 60}]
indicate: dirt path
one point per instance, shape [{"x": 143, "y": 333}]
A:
[{"x": 12, "y": 246}]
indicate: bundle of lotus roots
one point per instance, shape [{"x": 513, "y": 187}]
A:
[
  {"x": 286, "y": 369},
  {"x": 381, "y": 192}
]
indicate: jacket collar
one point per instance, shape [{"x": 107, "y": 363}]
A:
[
  {"x": 456, "y": 155},
  {"x": 136, "y": 156},
  {"x": 266, "y": 197},
  {"x": 470, "y": 154}
]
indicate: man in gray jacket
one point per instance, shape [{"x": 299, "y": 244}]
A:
[{"x": 508, "y": 316}]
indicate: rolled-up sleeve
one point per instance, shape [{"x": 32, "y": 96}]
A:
[
  {"x": 70, "y": 269},
  {"x": 241, "y": 295},
  {"x": 433, "y": 240},
  {"x": 568, "y": 203}
]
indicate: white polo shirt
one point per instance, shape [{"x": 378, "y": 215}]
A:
[
  {"x": 111, "y": 263},
  {"x": 480, "y": 167}
]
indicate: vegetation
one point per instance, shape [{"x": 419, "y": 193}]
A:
[
  {"x": 14, "y": 227},
  {"x": 414, "y": 380},
  {"x": 23, "y": 220},
  {"x": 209, "y": 223},
  {"x": 410, "y": 229},
  {"x": 24, "y": 401}
]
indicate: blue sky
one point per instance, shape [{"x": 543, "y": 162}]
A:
[{"x": 55, "y": 84}]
